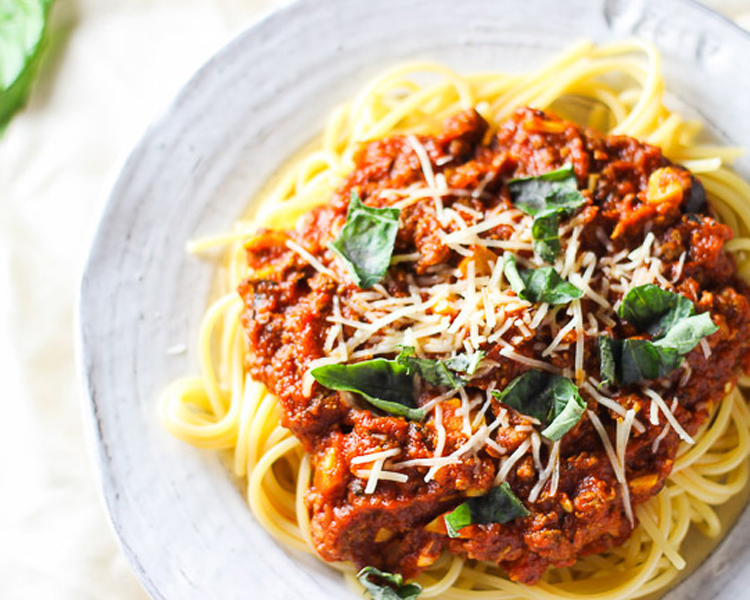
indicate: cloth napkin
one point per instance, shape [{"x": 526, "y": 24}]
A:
[{"x": 112, "y": 67}]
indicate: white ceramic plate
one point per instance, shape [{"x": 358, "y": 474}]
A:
[{"x": 181, "y": 521}]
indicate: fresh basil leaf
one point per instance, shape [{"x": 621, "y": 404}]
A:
[
  {"x": 633, "y": 360},
  {"x": 366, "y": 242},
  {"x": 434, "y": 372},
  {"x": 610, "y": 353},
  {"x": 546, "y": 234},
  {"x": 539, "y": 285},
  {"x": 547, "y": 198},
  {"x": 456, "y": 520},
  {"x": 567, "y": 411},
  {"x": 440, "y": 372},
  {"x": 387, "y": 586},
  {"x": 385, "y": 384},
  {"x": 654, "y": 310},
  {"x": 670, "y": 318},
  {"x": 513, "y": 275},
  {"x": 23, "y": 24},
  {"x": 642, "y": 359},
  {"x": 465, "y": 363},
  {"x": 555, "y": 189},
  {"x": 529, "y": 394},
  {"x": 552, "y": 399},
  {"x": 685, "y": 335},
  {"x": 500, "y": 505}
]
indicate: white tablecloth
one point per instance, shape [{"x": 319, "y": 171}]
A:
[{"x": 112, "y": 67}]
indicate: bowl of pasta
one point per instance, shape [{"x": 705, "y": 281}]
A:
[{"x": 436, "y": 301}]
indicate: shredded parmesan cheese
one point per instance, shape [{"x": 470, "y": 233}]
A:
[
  {"x": 382, "y": 455},
  {"x": 617, "y": 466},
  {"x": 508, "y": 463},
  {"x": 662, "y": 406},
  {"x": 553, "y": 466},
  {"x": 311, "y": 260}
]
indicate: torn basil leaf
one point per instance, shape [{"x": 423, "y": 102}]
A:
[
  {"x": 389, "y": 384},
  {"x": 545, "y": 231},
  {"x": 670, "y": 318},
  {"x": 610, "y": 357},
  {"x": 552, "y": 399},
  {"x": 385, "y": 384},
  {"x": 500, "y": 505},
  {"x": 465, "y": 363},
  {"x": 686, "y": 334},
  {"x": 434, "y": 372},
  {"x": 654, "y": 310},
  {"x": 366, "y": 242},
  {"x": 633, "y": 360},
  {"x": 440, "y": 372},
  {"x": 459, "y": 518},
  {"x": 555, "y": 189},
  {"x": 547, "y": 198},
  {"x": 539, "y": 285},
  {"x": 387, "y": 586}
]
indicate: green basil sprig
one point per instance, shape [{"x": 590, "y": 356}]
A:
[
  {"x": 22, "y": 33},
  {"x": 547, "y": 198},
  {"x": 440, "y": 372},
  {"x": 632, "y": 360},
  {"x": 552, "y": 399},
  {"x": 385, "y": 384},
  {"x": 465, "y": 363},
  {"x": 654, "y": 310},
  {"x": 387, "y": 586},
  {"x": 500, "y": 505},
  {"x": 687, "y": 334},
  {"x": 670, "y": 318},
  {"x": 389, "y": 384},
  {"x": 539, "y": 285},
  {"x": 366, "y": 242}
]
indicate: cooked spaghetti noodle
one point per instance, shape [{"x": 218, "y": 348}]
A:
[{"x": 614, "y": 89}]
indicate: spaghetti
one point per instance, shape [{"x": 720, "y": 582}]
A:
[{"x": 226, "y": 409}]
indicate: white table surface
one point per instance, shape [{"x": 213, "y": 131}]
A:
[{"x": 112, "y": 68}]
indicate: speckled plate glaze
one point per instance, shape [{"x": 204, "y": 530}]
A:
[{"x": 182, "y": 522}]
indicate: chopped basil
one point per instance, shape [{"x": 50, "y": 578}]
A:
[
  {"x": 610, "y": 359},
  {"x": 23, "y": 27},
  {"x": 459, "y": 518},
  {"x": 555, "y": 189},
  {"x": 385, "y": 384},
  {"x": 434, "y": 372},
  {"x": 632, "y": 360},
  {"x": 539, "y": 285},
  {"x": 545, "y": 231},
  {"x": 687, "y": 333},
  {"x": 670, "y": 318},
  {"x": 547, "y": 198},
  {"x": 387, "y": 586},
  {"x": 366, "y": 242},
  {"x": 465, "y": 363},
  {"x": 552, "y": 399},
  {"x": 389, "y": 384},
  {"x": 440, "y": 372},
  {"x": 500, "y": 505},
  {"x": 654, "y": 310}
]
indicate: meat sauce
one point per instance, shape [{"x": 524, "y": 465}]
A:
[{"x": 630, "y": 189}]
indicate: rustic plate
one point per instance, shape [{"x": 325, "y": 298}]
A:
[{"x": 181, "y": 521}]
